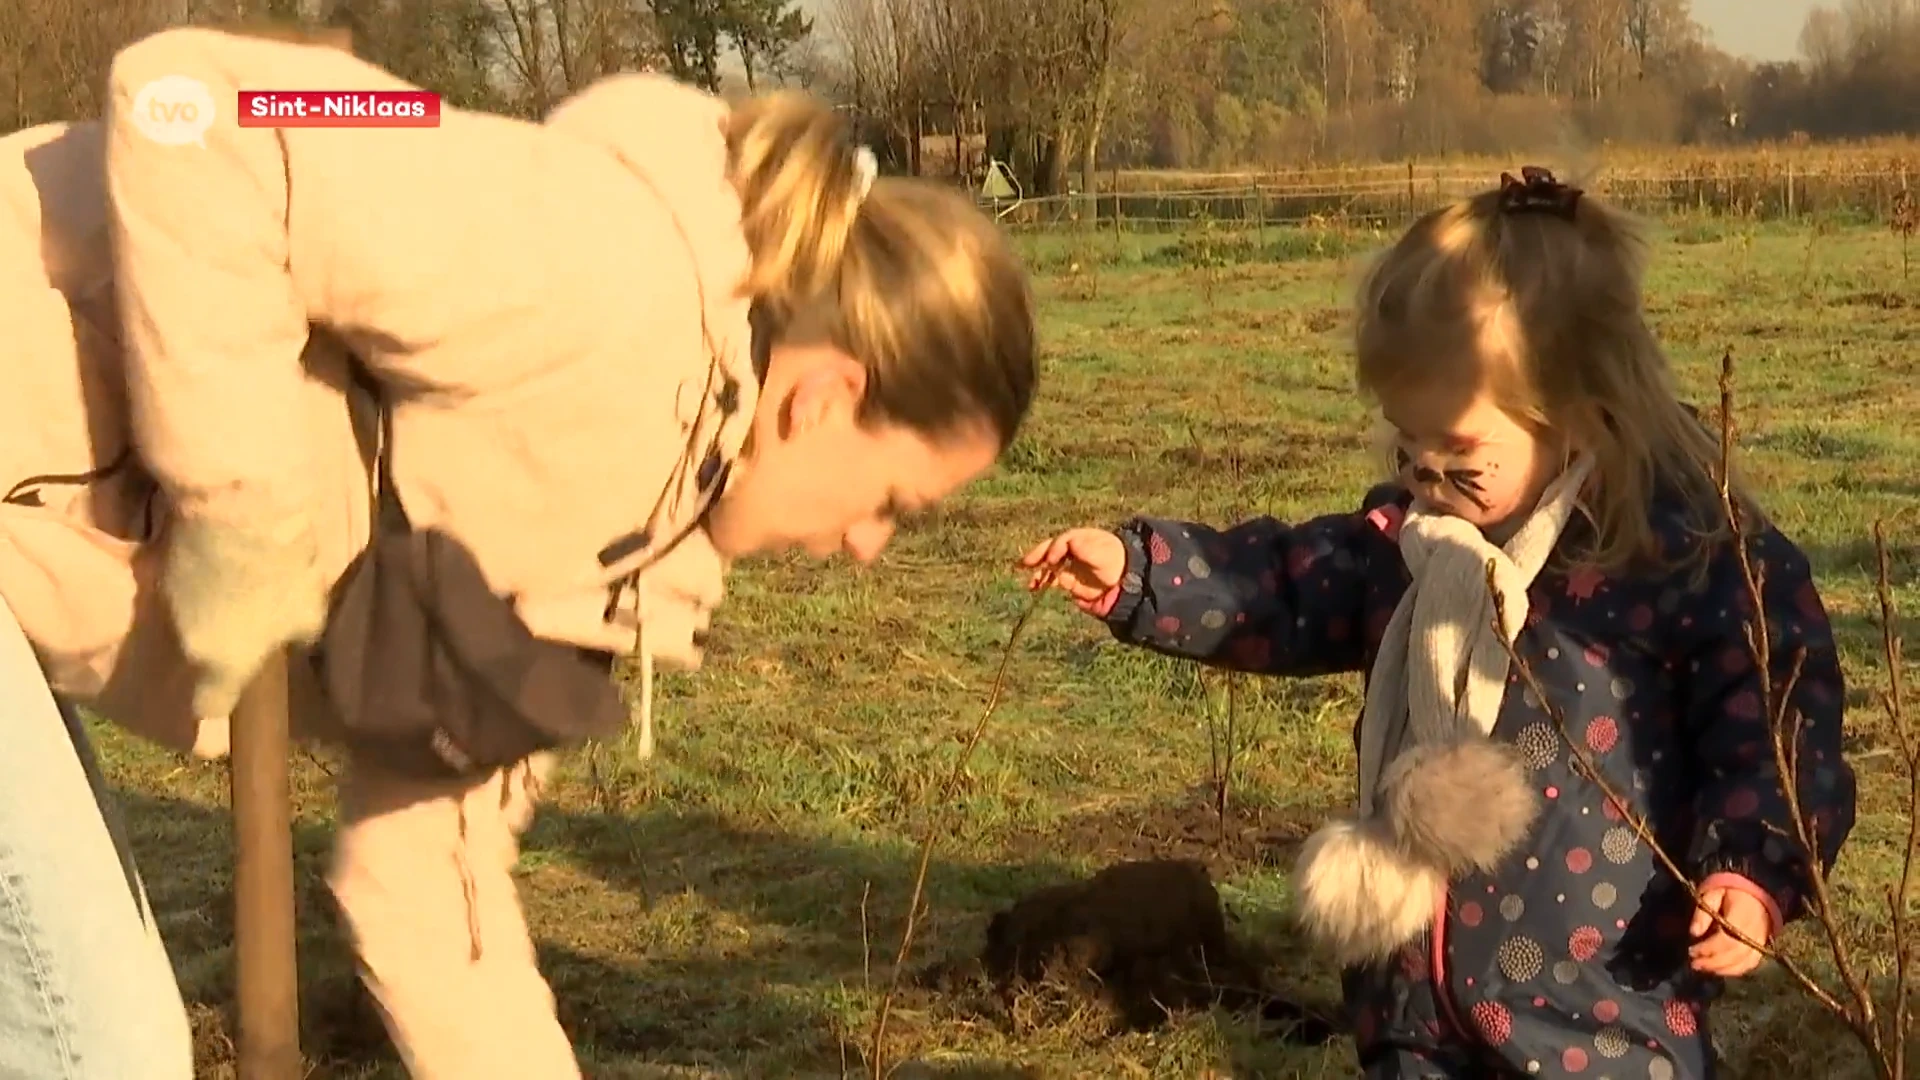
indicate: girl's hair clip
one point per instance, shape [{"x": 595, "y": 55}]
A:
[
  {"x": 1537, "y": 192},
  {"x": 865, "y": 168}
]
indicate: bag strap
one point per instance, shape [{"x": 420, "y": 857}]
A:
[{"x": 388, "y": 515}]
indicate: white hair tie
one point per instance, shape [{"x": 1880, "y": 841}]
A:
[{"x": 865, "y": 168}]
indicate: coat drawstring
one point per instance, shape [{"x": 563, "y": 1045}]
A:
[
  {"x": 532, "y": 786},
  {"x": 469, "y": 889},
  {"x": 645, "y": 656}
]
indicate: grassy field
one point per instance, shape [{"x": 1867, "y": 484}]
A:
[{"x": 731, "y": 908}]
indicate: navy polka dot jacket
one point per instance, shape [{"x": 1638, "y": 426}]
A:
[{"x": 1570, "y": 959}]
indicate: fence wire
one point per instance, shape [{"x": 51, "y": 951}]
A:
[{"x": 1378, "y": 198}]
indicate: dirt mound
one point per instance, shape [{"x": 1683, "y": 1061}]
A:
[
  {"x": 1149, "y": 936},
  {"x": 1252, "y": 837}
]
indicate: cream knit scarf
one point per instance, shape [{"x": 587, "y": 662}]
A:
[{"x": 1437, "y": 796}]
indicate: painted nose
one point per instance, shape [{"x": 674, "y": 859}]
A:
[
  {"x": 865, "y": 542},
  {"x": 1425, "y": 468}
]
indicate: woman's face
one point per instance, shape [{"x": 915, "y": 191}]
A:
[{"x": 814, "y": 477}]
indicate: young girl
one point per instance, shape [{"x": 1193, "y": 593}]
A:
[{"x": 1496, "y": 913}]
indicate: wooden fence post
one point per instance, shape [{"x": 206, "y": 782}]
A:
[{"x": 267, "y": 971}]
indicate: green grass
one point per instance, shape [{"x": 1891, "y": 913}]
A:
[{"x": 716, "y": 911}]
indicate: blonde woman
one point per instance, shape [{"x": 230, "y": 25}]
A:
[{"x": 458, "y": 414}]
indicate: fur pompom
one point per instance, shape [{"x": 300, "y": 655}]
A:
[
  {"x": 1358, "y": 894},
  {"x": 1460, "y": 807}
]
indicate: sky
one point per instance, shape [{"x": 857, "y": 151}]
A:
[{"x": 1762, "y": 29}]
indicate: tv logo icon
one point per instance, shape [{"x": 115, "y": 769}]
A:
[{"x": 173, "y": 110}]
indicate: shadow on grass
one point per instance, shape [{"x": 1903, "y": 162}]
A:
[
  {"x": 726, "y": 948},
  {"x": 184, "y": 851},
  {"x": 821, "y": 917},
  {"x": 836, "y": 907},
  {"x": 718, "y": 1006}
]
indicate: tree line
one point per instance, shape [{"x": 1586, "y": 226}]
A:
[{"x": 1064, "y": 89}]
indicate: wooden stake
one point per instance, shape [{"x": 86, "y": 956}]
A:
[{"x": 268, "y": 992}]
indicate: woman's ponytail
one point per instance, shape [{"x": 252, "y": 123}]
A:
[{"x": 801, "y": 183}]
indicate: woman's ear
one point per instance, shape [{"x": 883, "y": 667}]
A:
[{"x": 819, "y": 387}]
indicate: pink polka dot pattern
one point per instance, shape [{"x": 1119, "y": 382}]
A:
[
  {"x": 1494, "y": 1022},
  {"x": 1743, "y": 803},
  {"x": 1744, "y": 705},
  {"x": 1299, "y": 560},
  {"x": 1158, "y": 550},
  {"x": 1584, "y": 945},
  {"x": 1680, "y": 1019},
  {"x": 1603, "y": 734}
]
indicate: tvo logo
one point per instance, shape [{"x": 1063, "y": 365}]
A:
[{"x": 173, "y": 110}]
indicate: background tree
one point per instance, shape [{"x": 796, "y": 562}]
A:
[{"x": 1069, "y": 89}]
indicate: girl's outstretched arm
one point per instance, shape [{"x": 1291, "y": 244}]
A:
[
  {"x": 1744, "y": 833},
  {"x": 1262, "y": 596}
]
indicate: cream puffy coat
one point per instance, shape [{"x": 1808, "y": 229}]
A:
[{"x": 551, "y": 311}]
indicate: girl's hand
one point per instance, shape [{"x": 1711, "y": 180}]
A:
[
  {"x": 1090, "y": 563},
  {"x": 1717, "y": 952}
]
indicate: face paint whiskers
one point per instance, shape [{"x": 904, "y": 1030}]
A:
[{"x": 1467, "y": 483}]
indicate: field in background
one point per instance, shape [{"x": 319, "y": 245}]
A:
[
  {"x": 730, "y": 908},
  {"x": 1830, "y": 183},
  {"x": 1865, "y": 155}
]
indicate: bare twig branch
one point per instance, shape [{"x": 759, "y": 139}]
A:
[
  {"x": 1588, "y": 769},
  {"x": 1886, "y": 1046},
  {"x": 1785, "y": 725},
  {"x": 1894, "y": 701},
  {"x": 952, "y": 787},
  {"x": 866, "y": 939}
]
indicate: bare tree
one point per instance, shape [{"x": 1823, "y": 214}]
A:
[
  {"x": 884, "y": 58},
  {"x": 56, "y": 52},
  {"x": 955, "y": 36}
]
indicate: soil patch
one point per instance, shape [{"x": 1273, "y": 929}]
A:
[
  {"x": 1253, "y": 837},
  {"x": 1149, "y": 937}
]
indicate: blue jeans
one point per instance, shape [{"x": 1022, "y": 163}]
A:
[{"x": 86, "y": 990}]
